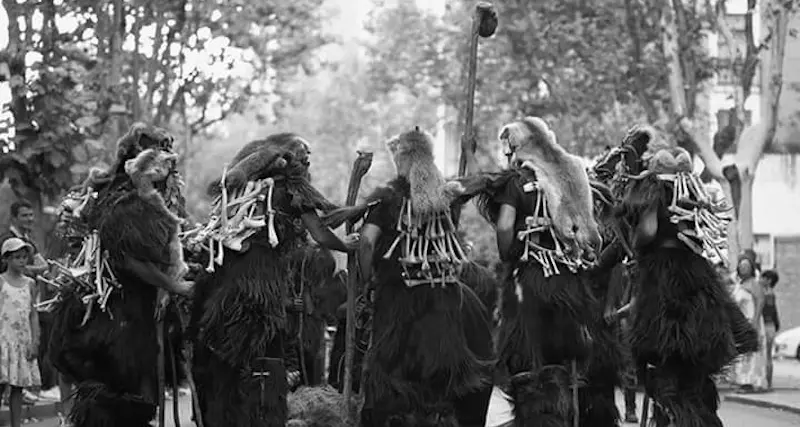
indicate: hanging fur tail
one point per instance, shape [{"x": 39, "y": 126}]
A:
[
  {"x": 95, "y": 405},
  {"x": 543, "y": 398}
]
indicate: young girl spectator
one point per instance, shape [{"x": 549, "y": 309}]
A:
[{"x": 19, "y": 326}]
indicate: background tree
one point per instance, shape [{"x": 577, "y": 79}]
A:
[
  {"x": 82, "y": 71},
  {"x": 737, "y": 179}
]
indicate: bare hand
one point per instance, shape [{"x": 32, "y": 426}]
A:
[
  {"x": 351, "y": 241},
  {"x": 609, "y": 316},
  {"x": 32, "y": 352},
  {"x": 453, "y": 189},
  {"x": 293, "y": 377},
  {"x": 161, "y": 304}
]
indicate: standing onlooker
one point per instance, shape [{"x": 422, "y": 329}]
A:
[
  {"x": 750, "y": 369},
  {"x": 19, "y": 326},
  {"x": 23, "y": 219},
  {"x": 772, "y": 324}
]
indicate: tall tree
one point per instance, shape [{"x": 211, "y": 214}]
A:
[
  {"x": 164, "y": 62},
  {"x": 571, "y": 61},
  {"x": 737, "y": 179}
]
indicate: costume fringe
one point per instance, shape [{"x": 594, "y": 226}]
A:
[
  {"x": 542, "y": 398},
  {"x": 683, "y": 327},
  {"x": 682, "y": 312},
  {"x": 549, "y": 325},
  {"x": 431, "y": 346},
  {"x": 95, "y": 405},
  {"x": 683, "y": 400},
  {"x": 239, "y": 308},
  {"x": 240, "y": 314},
  {"x": 233, "y": 396},
  {"x": 482, "y": 281},
  {"x": 598, "y": 406}
]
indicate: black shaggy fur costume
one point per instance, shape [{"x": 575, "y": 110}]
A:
[
  {"x": 312, "y": 281},
  {"x": 239, "y": 322},
  {"x": 430, "y": 363},
  {"x": 685, "y": 327},
  {"x": 336, "y": 365},
  {"x": 544, "y": 320},
  {"x": 682, "y": 320},
  {"x": 477, "y": 277},
  {"x": 610, "y": 354},
  {"x": 115, "y": 386}
]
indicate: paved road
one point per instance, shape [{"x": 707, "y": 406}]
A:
[
  {"x": 736, "y": 415},
  {"x": 733, "y": 415}
]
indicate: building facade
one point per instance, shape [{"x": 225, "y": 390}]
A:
[{"x": 776, "y": 190}]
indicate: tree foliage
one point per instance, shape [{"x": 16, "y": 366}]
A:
[
  {"x": 571, "y": 61},
  {"x": 87, "y": 69}
]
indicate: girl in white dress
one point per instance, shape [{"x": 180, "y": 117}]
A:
[{"x": 19, "y": 327}]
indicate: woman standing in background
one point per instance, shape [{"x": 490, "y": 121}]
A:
[
  {"x": 772, "y": 325},
  {"x": 750, "y": 371}
]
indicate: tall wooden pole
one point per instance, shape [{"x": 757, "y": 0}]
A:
[
  {"x": 360, "y": 168},
  {"x": 484, "y": 23}
]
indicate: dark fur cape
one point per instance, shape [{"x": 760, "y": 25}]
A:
[
  {"x": 431, "y": 347},
  {"x": 544, "y": 321},
  {"x": 610, "y": 355},
  {"x": 685, "y": 322},
  {"x": 116, "y": 386},
  {"x": 311, "y": 278},
  {"x": 240, "y": 314}
]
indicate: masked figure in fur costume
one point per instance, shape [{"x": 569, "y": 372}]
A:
[
  {"x": 546, "y": 233},
  {"x": 430, "y": 362},
  {"x": 244, "y": 347},
  {"x": 316, "y": 296},
  {"x": 128, "y": 221},
  {"x": 684, "y": 326},
  {"x": 609, "y": 355},
  {"x": 479, "y": 278}
]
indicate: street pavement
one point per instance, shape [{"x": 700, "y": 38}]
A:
[
  {"x": 733, "y": 415},
  {"x": 736, "y": 410}
]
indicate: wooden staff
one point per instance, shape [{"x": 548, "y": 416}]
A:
[
  {"x": 576, "y": 415},
  {"x": 484, "y": 24},
  {"x": 161, "y": 364},
  {"x": 360, "y": 167}
]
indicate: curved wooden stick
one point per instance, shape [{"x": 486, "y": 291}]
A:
[
  {"x": 483, "y": 11},
  {"x": 360, "y": 167}
]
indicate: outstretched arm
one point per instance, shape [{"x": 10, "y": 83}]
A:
[
  {"x": 322, "y": 234},
  {"x": 506, "y": 234},
  {"x": 366, "y": 250},
  {"x": 150, "y": 273},
  {"x": 39, "y": 266}
]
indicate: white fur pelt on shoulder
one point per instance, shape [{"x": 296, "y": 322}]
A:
[
  {"x": 412, "y": 153},
  {"x": 562, "y": 177}
]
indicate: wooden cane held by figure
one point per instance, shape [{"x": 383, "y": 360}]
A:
[
  {"x": 360, "y": 168},
  {"x": 484, "y": 24}
]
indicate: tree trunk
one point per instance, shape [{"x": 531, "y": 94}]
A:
[
  {"x": 117, "y": 124},
  {"x": 754, "y": 139},
  {"x": 745, "y": 220},
  {"x": 669, "y": 39}
]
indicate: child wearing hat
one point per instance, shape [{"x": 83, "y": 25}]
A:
[{"x": 19, "y": 326}]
